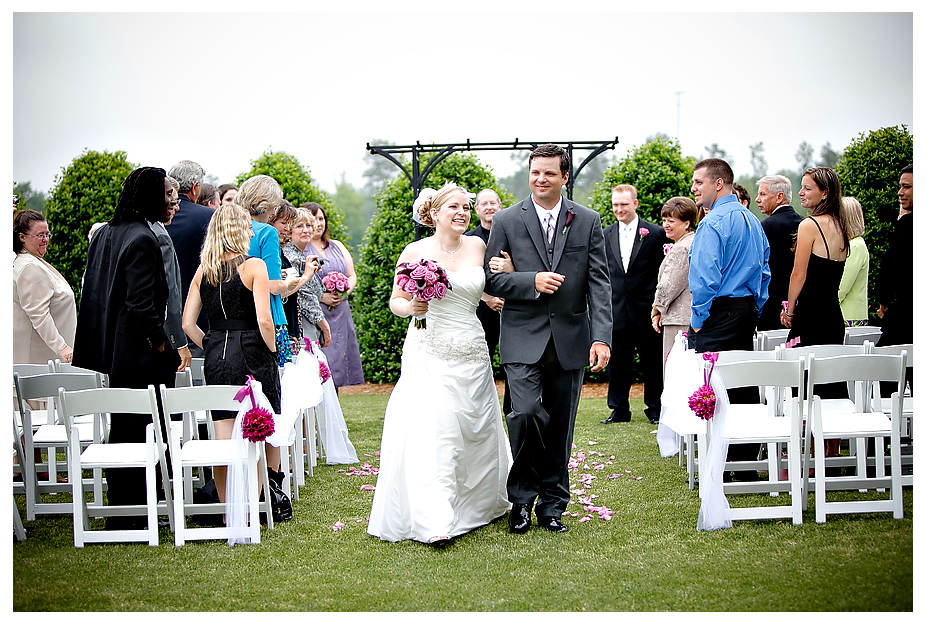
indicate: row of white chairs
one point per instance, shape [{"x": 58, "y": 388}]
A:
[
  {"x": 796, "y": 422},
  {"x": 74, "y": 395}
]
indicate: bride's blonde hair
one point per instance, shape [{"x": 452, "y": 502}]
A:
[
  {"x": 228, "y": 232},
  {"x": 439, "y": 198}
]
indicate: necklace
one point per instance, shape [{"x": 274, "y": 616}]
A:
[{"x": 451, "y": 252}]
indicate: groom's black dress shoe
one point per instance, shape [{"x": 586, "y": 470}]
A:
[
  {"x": 552, "y": 523},
  {"x": 520, "y": 517},
  {"x": 616, "y": 418}
]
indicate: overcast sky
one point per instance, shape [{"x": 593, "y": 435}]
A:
[{"x": 220, "y": 88}]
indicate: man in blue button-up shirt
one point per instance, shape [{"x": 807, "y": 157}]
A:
[{"x": 728, "y": 264}]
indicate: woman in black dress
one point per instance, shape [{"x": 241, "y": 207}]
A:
[{"x": 233, "y": 289}]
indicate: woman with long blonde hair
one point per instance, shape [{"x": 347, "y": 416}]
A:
[{"x": 234, "y": 291}]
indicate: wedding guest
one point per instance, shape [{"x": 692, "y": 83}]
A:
[
  {"x": 208, "y": 196},
  {"x": 774, "y": 198},
  {"x": 672, "y": 300},
  {"x": 227, "y": 193},
  {"x": 120, "y": 326},
  {"x": 743, "y": 196},
  {"x": 634, "y": 248},
  {"x": 728, "y": 278},
  {"x": 309, "y": 316},
  {"x": 557, "y": 322},
  {"x": 188, "y": 228},
  {"x": 896, "y": 276},
  {"x": 444, "y": 456},
  {"x": 486, "y": 206},
  {"x": 173, "y": 322},
  {"x": 234, "y": 291},
  {"x": 280, "y": 220},
  {"x": 260, "y": 196},
  {"x": 343, "y": 353},
  {"x": 44, "y": 310},
  {"x": 854, "y": 285}
]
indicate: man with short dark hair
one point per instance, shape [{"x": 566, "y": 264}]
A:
[
  {"x": 774, "y": 198},
  {"x": 634, "y": 248},
  {"x": 728, "y": 264},
  {"x": 896, "y": 275},
  {"x": 188, "y": 230},
  {"x": 556, "y": 321}
]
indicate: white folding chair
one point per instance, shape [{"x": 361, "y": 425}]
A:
[
  {"x": 18, "y": 530},
  {"x": 907, "y": 406},
  {"x": 774, "y": 428},
  {"x": 858, "y": 335},
  {"x": 51, "y": 436},
  {"x": 186, "y": 455},
  {"x": 772, "y": 338},
  {"x": 100, "y": 455},
  {"x": 868, "y": 422},
  {"x": 196, "y": 368}
]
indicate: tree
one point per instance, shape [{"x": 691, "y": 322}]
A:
[
  {"x": 297, "y": 185},
  {"x": 585, "y": 183},
  {"x": 659, "y": 172},
  {"x": 804, "y": 155},
  {"x": 517, "y": 182},
  {"x": 829, "y": 157},
  {"x": 352, "y": 204},
  {"x": 83, "y": 193},
  {"x": 869, "y": 170},
  {"x": 26, "y": 198},
  {"x": 716, "y": 152},
  {"x": 758, "y": 161},
  {"x": 380, "y": 333}
]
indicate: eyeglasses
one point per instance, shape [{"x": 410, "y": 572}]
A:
[{"x": 45, "y": 236}]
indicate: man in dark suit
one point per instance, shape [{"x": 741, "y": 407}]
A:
[
  {"x": 120, "y": 327},
  {"x": 635, "y": 251},
  {"x": 556, "y": 320},
  {"x": 896, "y": 276},
  {"x": 774, "y": 197},
  {"x": 188, "y": 229},
  {"x": 486, "y": 206}
]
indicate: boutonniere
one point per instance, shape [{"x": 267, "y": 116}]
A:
[
  {"x": 667, "y": 248},
  {"x": 569, "y": 221},
  {"x": 643, "y": 233}
]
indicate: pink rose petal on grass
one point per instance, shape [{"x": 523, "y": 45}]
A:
[
  {"x": 367, "y": 487},
  {"x": 585, "y": 519},
  {"x": 338, "y": 526}
]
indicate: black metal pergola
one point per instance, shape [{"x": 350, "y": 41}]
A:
[{"x": 443, "y": 151}]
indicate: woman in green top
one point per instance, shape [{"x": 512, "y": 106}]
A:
[{"x": 853, "y": 286}]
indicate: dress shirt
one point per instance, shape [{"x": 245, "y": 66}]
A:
[
  {"x": 554, "y": 213},
  {"x": 728, "y": 257},
  {"x": 626, "y": 233}
]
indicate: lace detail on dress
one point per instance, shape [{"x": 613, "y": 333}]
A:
[{"x": 453, "y": 349}]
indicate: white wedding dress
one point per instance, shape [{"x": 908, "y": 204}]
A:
[{"x": 444, "y": 457}]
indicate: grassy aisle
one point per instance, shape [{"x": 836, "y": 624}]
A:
[{"x": 648, "y": 557}]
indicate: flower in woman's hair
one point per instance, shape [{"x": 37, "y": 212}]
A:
[
  {"x": 569, "y": 221},
  {"x": 667, "y": 248},
  {"x": 643, "y": 232},
  {"x": 257, "y": 424}
]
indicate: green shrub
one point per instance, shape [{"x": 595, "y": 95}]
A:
[
  {"x": 83, "y": 193},
  {"x": 297, "y": 186},
  {"x": 659, "y": 172},
  {"x": 379, "y": 332},
  {"x": 869, "y": 170}
]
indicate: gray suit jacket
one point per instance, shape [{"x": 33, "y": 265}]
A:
[
  {"x": 173, "y": 327},
  {"x": 578, "y": 313}
]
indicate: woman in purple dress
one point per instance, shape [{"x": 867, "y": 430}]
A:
[{"x": 343, "y": 353}]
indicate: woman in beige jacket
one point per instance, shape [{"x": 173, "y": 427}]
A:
[
  {"x": 672, "y": 302},
  {"x": 44, "y": 311}
]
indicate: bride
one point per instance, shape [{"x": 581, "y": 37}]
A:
[{"x": 444, "y": 457}]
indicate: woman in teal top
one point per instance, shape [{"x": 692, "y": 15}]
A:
[
  {"x": 260, "y": 196},
  {"x": 853, "y": 291}
]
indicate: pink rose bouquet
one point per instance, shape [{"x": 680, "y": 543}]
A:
[
  {"x": 336, "y": 283},
  {"x": 257, "y": 423},
  {"x": 423, "y": 279},
  {"x": 702, "y": 401}
]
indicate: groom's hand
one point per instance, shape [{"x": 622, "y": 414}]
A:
[
  {"x": 599, "y": 355},
  {"x": 547, "y": 282}
]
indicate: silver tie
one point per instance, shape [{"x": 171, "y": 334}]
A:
[{"x": 549, "y": 226}]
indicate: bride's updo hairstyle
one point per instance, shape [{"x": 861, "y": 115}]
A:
[{"x": 429, "y": 199}]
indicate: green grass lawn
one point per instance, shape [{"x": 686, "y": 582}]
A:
[{"x": 648, "y": 557}]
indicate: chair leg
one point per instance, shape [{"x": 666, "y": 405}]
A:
[
  {"x": 77, "y": 495},
  {"x": 178, "y": 494},
  {"x": 895, "y": 456},
  {"x": 820, "y": 487}
]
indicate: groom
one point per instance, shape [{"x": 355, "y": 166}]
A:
[{"x": 557, "y": 319}]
